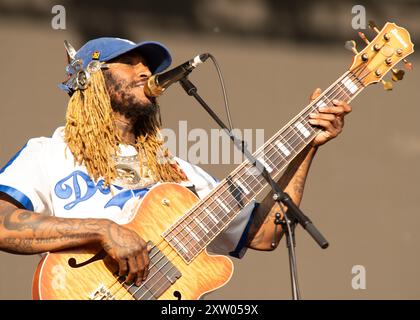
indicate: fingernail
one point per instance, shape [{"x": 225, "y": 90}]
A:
[
  {"x": 322, "y": 108},
  {"x": 335, "y": 101},
  {"x": 312, "y": 115},
  {"x": 312, "y": 121}
]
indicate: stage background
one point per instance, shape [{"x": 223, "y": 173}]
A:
[{"x": 363, "y": 188}]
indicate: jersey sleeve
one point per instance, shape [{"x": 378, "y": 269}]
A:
[
  {"x": 23, "y": 178},
  {"x": 231, "y": 241}
]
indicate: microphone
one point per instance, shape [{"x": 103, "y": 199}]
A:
[{"x": 157, "y": 83}]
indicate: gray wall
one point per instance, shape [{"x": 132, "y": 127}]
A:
[{"x": 362, "y": 191}]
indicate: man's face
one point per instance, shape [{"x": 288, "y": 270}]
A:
[{"x": 125, "y": 79}]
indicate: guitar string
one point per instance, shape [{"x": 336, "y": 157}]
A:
[
  {"x": 269, "y": 149},
  {"x": 242, "y": 167},
  {"x": 276, "y": 153},
  {"x": 355, "y": 92},
  {"x": 327, "y": 95},
  {"x": 234, "y": 199},
  {"x": 153, "y": 285},
  {"x": 157, "y": 281},
  {"x": 288, "y": 130}
]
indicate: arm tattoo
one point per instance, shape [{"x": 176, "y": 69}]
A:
[
  {"x": 27, "y": 232},
  {"x": 293, "y": 180},
  {"x": 15, "y": 220}
]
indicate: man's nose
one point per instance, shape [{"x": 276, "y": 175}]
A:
[{"x": 145, "y": 74}]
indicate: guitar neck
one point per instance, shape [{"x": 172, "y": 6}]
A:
[{"x": 198, "y": 227}]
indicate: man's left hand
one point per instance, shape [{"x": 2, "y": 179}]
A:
[{"x": 329, "y": 118}]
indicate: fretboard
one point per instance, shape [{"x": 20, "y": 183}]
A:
[{"x": 209, "y": 217}]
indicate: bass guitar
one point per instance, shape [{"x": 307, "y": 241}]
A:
[{"x": 180, "y": 226}]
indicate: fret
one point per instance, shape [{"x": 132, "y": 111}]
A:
[
  {"x": 349, "y": 84},
  {"x": 302, "y": 129},
  {"x": 222, "y": 205},
  {"x": 274, "y": 158},
  {"x": 251, "y": 180},
  {"x": 321, "y": 103},
  {"x": 192, "y": 244},
  {"x": 201, "y": 225},
  {"x": 217, "y": 212},
  {"x": 209, "y": 223},
  {"x": 283, "y": 148},
  {"x": 287, "y": 138},
  {"x": 205, "y": 221},
  {"x": 265, "y": 164},
  {"x": 212, "y": 216},
  {"x": 228, "y": 198},
  {"x": 252, "y": 172},
  {"x": 179, "y": 244},
  {"x": 341, "y": 92},
  {"x": 196, "y": 224},
  {"x": 241, "y": 186},
  {"x": 297, "y": 138},
  {"x": 252, "y": 176},
  {"x": 277, "y": 153},
  {"x": 347, "y": 87},
  {"x": 357, "y": 80},
  {"x": 184, "y": 239},
  {"x": 192, "y": 234},
  {"x": 277, "y": 157},
  {"x": 191, "y": 222},
  {"x": 235, "y": 195}
]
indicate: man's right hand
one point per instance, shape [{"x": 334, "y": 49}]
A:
[
  {"x": 27, "y": 232},
  {"x": 129, "y": 250}
]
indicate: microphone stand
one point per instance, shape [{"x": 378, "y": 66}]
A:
[{"x": 281, "y": 197}]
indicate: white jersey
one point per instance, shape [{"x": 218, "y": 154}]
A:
[{"x": 43, "y": 177}]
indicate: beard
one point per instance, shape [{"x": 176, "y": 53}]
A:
[{"x": 144, "y": 115}]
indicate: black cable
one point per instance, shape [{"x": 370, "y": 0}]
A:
[{"x": 222, "y": 83}]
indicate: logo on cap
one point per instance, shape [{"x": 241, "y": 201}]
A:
[{"x": 95, "y": 55}]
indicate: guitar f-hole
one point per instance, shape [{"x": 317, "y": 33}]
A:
[
  {"x": 98, "y": 256},
  {"x": 177, "y": 295}
]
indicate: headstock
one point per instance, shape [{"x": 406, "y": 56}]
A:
[{"x": 391, "y": 45}]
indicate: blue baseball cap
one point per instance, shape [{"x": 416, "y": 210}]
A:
[{"x": 157, "y": 56}]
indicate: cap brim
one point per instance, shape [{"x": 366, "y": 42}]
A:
[{"x": 156, "y": 54}]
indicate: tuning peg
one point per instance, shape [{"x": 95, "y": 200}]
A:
[
  {"x": 373, "y": 26},
  {"x": 408, "y": 65},
  {"x": 387, "y": 85},
  {"x": 397, "y": 75},
  {"x": 351, "y": 46},
  {"x": 362, "y": 35}
]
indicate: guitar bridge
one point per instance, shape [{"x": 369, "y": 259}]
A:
[{"x": 101, "y": 293}]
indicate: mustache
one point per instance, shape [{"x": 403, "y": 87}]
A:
[
  {"x": 143, "y": 114},
  {"x": 145, "y": 117}
]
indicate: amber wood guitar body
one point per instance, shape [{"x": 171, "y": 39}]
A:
[{"x": 165, "y": 203}]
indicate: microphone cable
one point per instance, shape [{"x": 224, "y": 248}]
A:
[{"x": 222, "y": 83}]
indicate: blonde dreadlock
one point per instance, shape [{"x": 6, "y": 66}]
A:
[
  {"x": 153, "y": 153},
  {"x": 91, "y": 136}
]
